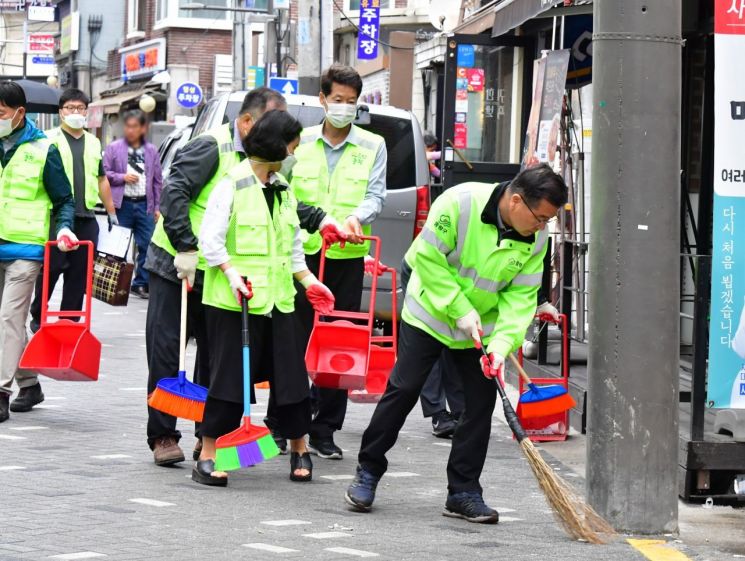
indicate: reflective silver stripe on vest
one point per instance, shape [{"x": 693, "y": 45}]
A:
[
  {"x": 481, "y": 282},
  {"x": 226, "y": 147},
  {"x": 541, "y": 241},
  {"x": 245, "y": 182},
  {"x": 533, "y": 279},
  {"x": 431, "y": 238},
  {"x": 464, "y": 203},
  {"x": 368, "y": 144},
  {"x": 416, "y": 310}
]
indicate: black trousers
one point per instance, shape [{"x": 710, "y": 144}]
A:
[
  {"x": 344, "y": 279},
  {"x": 417, "y": 353},
  {"x": 73, "y": 265},
  {"x": 162, "y": 346}
]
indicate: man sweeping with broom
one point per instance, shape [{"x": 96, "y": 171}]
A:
[{"x": 476, "y": 268}]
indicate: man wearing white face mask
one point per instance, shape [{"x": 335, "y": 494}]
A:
[
  {"x": 32, "y": 181},
  {"x": 341, "y": 169},
  {"x": 81, "y": 156}
]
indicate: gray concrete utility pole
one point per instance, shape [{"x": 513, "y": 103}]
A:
[
  {"x": 632, "y": 454},
  {"x": 309, "y": 46}
]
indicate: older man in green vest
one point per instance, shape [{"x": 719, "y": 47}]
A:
[
  {"x": 341, "y": 169},
  {"x": 82, "y": 157}
]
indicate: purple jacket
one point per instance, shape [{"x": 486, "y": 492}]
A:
[{"x": 115, "y": 165}]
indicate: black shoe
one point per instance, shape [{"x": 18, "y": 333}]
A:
[
  {"x": 325, "y": 448},
  {"x": 443, "y": 425},
  {"x": 471, "y": 507},
  {"x": 300, "y": 461},
  {"x": 34, "y": 325},
  {"x": 27, "y": 398},
  {"x": 202, "y": 473},
  {"x": 361, "y": 492},
  {"x": 141, "y": 291},
  {"x": 4, "y": 399}
]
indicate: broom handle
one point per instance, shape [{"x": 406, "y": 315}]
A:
[
  {"x": 182, "y": 331},
  {"x": 509, "y": 412},
  {"x": 246, "y": 359},
  {"x": 521, "y": 371}
]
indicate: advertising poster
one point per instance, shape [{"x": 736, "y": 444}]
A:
[
  {"x": 726, "y": 387},
  {"x": 475, "y": 78},
  {"x": 461, "y": 136}
]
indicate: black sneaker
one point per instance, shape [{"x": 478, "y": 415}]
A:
[
  {"x": 4, "y": 399},
  {"x": 471, "y": 507},
  {"x": 27, "y": 398},
  {"x": 443, "y": 425},
  {"x": 325, "y": 448},
  {"x": 361, "y": 492}
]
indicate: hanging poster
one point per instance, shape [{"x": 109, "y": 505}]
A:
[
  {"x": 466, "y": 56},
  {"x": 475, "y": 78},
  {"x": 461, "y": 136},
  {"x": 726, "y": 387},
  {"x": 369, "y": 30}
]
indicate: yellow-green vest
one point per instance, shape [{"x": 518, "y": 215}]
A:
[
  {"x": 91, "y": 163},
  {"x": 229, "y": 158},
  {"x": 24, "y": 202},
  {"x": 259, "y": 246},
  {"x": 340, "y": 194},
  {"x": 459, "y": 264}
]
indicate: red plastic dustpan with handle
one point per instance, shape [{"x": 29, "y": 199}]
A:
[
  {"x": 338, "y": 351},
  {"x": 64, "y": 349}
]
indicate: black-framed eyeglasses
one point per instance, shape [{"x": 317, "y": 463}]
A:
[
  {"x": 539, "y": 220},
  {"x": 75, "y": 108}
]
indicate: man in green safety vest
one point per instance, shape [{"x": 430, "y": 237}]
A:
[
  {"x": 341, "y": 169},
  {"x": 476, "y": 270},
  {"x": 82, "y": 158},
  {"x": 32, "y": 182}
]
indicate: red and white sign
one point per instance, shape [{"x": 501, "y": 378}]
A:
[
  {"x": 729, "y": 17},
  {"x": 40, "y": 43},
  {"x": 460, "y": 139},
  {"x": 143, "y": 59},
  {"x": 475, "y": 79}
]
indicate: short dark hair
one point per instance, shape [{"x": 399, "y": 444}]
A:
[
  {"x": 540, "y": 183},
  {"x": 257, "y": 99},
  {"x": 73, "y": 94},
  {"x": 430, "y": 139},
  {"x": 270, "y": 135},
  {"x": 12, "y": 95},
  {"x": 340, "y": 74},
  {"x": 134, "y": 114}
]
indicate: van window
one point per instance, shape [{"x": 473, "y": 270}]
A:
[{"x": 206, "y": 117}]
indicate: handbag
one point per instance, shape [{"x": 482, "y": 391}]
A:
[{"x": 112, "y": 274}]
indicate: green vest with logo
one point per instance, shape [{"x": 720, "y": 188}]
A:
[
  {"x": 259, "y": 246},
  {"x": 459, "y": 264},
  {"x": 24, "y": 202},
  {"x": 341, "y": 193},
  {"x": 228, "y": 158},
  {"x": 91, "y": 162}
]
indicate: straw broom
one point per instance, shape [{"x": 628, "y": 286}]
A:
[{"x": 578, "y": 519}]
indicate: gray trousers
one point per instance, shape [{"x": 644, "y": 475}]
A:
[{"x": 17, "y": 279}]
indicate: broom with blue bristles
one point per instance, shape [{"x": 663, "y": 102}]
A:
[{"x": 249, "y": 444}]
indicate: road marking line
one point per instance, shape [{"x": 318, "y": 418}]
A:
[
  {"x": 444, "y": 444},
  {"x": 28, "y": 428},
  {"x": 270, "y": 548},
  {"x": 657, "y": 550},
  {"x": 401, "y": 474},
  {"x": 337, "y": 477},
  {"x": 132, "y": 389},
  {"x": 505, "y": 509},
  {"x": 353, "y": 552},
  {"x": 53, "y": 397},
  {"x": 11, "y": 468},
  {"x": 78, "y": 555},
  {"x": 285, "y": 522},
  {"x": 510, "y": 519},
  {"x": 151, "y": 502},
  {"x": 112, "y": 457},
  {"x": 327, "y": 535},
  {"x": 11, "y": 437},
  {"x": 48, "y": 405}
]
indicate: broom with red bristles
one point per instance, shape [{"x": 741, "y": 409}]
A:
[
  {"x": 249, "y": 444},
  {"x": 178, "y": 396},
  {"x": 541, "y": 401}
]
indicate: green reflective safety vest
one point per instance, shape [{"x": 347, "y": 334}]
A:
[
  {"x": 259, "y": 246},
  {"x": 229, "y": 158},
  {"x": 340, "y": 194},
  {"x": 24, "y": 202},
  {"x": 460, "y": 263},
  {"x": 91, "y": 162}
]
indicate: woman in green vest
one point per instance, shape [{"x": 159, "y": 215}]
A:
[{"x": 250, "y": 238}]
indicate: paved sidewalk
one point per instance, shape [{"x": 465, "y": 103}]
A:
[{"x": 78, "y": 482}]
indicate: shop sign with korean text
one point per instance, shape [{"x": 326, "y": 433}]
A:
[
  {"x": 143, "y": 59},
  {"x": 369, "y": 30},
  {"x": 726, "y": 386}
]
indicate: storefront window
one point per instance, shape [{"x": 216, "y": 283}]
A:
[{"x": 483, "y": 103}]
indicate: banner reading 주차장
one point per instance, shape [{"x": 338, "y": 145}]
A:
[
  {"x": 726, "y": 386},
  {"x": 367, "y": 39}
]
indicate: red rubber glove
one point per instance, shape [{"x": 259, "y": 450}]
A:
[
  {"x": 320, "y": 297},
  {"x": 332, "y": 234},
  {"x": 370, "y": 267},
  {"x": 493, "y": 367}
]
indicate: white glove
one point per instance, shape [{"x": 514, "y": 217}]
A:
[
  {"x": 237, "y": 284},
  {"x": 549, "y": 310},
  {"x": 186, "y": 265},
  {"x": 66, "y": 240},
  {"x": 470, "y": 324}
]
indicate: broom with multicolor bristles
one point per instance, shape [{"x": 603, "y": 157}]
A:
[
  {"x": 249, "y": 444},
  {"x": 178, "y": 396}
]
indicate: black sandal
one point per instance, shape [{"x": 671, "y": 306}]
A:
[
  {"x": 300, "y": 461},
  {"x": 202, "y": 473}
]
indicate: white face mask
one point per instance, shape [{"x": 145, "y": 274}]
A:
[
  {"x": 6, "y": 125},
  {"x": 339, "y": 115},
  {"x": 75, "y": 121},
  {"x": 287, "y": 164}
]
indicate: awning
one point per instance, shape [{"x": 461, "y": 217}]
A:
[
  {"x": 511, "y": 13},
  {"x": 112, "y": 103}
]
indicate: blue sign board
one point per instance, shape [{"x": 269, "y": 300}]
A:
[
  {"x": 189, "y": 95},
  {"x": 286, "y": 86},
  {"x": 578, "y": 38},
  {"x": 369, "y": 30},
  {"x": 466, "y": 57}
]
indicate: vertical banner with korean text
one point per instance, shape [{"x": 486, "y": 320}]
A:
[
  {"x": 726, "y": 386},
  {"x": 369, "y": 32}
]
